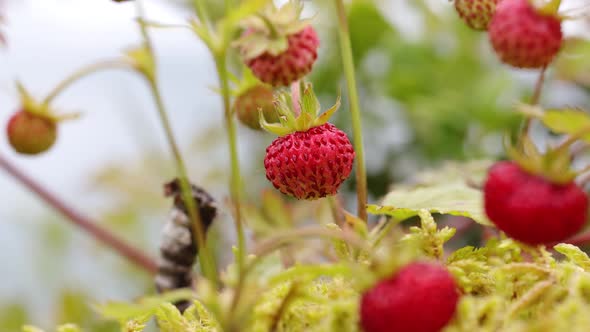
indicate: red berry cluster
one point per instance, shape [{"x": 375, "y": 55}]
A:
[
  {"x": 312, "y": 158},
  {"x": 522, "y": 35}
]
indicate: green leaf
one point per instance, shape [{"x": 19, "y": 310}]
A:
[
  {"x": 171, "y": 320},
  {"x": 567, "y": 121},
  {"x": 574, "y": 64},
  {"x": 136, "y": 324},
  {"x": 123, "y": 311},
  {"x": 198, "y": 312},
  {"x": 574, "y": 254},
  {"x": 428, "y": 237},
  {"x": 455, "y": 198}
]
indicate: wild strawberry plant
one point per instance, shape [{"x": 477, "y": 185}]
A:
[{"x": 403, "y": 271}]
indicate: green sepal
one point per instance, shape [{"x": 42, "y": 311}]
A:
[
  {"x": 554, "y": 165},
  {"x": 308, "y": 118},
  {"x": 31, "y": 105},
  {"x": 143, "y": 61},
  {"x": 544, "y": 7},
  {"x": 268, "y": 31}
]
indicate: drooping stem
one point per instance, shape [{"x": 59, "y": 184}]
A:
[
  {"x": 347, "y": 60},
  {"x": 83, "y": 72},
  {"x": 90, "y": 226},
  {"x": 535, "y": 98},
  {"x": 206, "y": 260},
  {"x": 235, "y": 182}
]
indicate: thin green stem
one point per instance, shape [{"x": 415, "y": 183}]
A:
[
  {"x": 348, "y": 62},
  {"x": 235, "y": 182},
  {"x": 202, "y": 12},
  {"x": 205, "y": 258},
  {"x": 83, "y": 72}
]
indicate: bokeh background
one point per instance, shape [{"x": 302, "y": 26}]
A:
[{"x": 431, "y": 90}]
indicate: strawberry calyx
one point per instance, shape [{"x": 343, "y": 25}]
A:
[
  {"x": 245, "y": 83},
  {"x": 40, "y": 109},
  {"x": 267, "y": 31},
  {"x": 553, "y": 165},
  {"x": 544, "y": 7},
  {"x": 290, "y": 121}
]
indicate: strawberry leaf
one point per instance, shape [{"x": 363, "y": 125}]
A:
[
  {"x": 452, "y": 198},
  {"x": 567, "y": 121}
]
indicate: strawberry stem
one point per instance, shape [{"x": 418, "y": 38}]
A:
[
  {"x": 205, "y": 259},
  {"x": 235, "y": 182},
  {"x": 348, "y": 62},
  {"x": 90, "y": 226},
  {"x": 295, "y": 97},
  {"x": 83, "y": 72}
]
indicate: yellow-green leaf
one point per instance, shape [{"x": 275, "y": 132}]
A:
[
  {"x": 567, "y": 121},
  {"x": 455, "y": 198}
]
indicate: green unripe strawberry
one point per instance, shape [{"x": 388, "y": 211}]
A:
[{"x": 250, "y": 102}]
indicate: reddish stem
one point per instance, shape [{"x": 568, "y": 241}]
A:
[
  {"x": 580, "y": 239},
  {"x": 295, "y": 96},
  {"x": 111, "y": 240},
  {"x": 536, "y": 97}
]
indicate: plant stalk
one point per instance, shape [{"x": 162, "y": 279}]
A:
[
  {"x": 90, "y": 226},
  {"x": 348, "y": 62},
  {"x": 235, "y": 182},
  {"x": 206, "y": 260}
]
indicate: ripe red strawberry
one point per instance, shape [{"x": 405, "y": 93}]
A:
[
  {"x": 531, "y": 208},
  {"x": 292, "y": 64},
  {"x": 476, "y": 13},
  {"x": 30, "y": 133},
  {"x": 523, "y": 36},
  {"x": 310, "y": 164},
  {"x": 313, "y": 157},
  {"x": 421, "y": 297},
  {"x": 250, "y": 101},
  {"x": 277, "y": 46}
]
